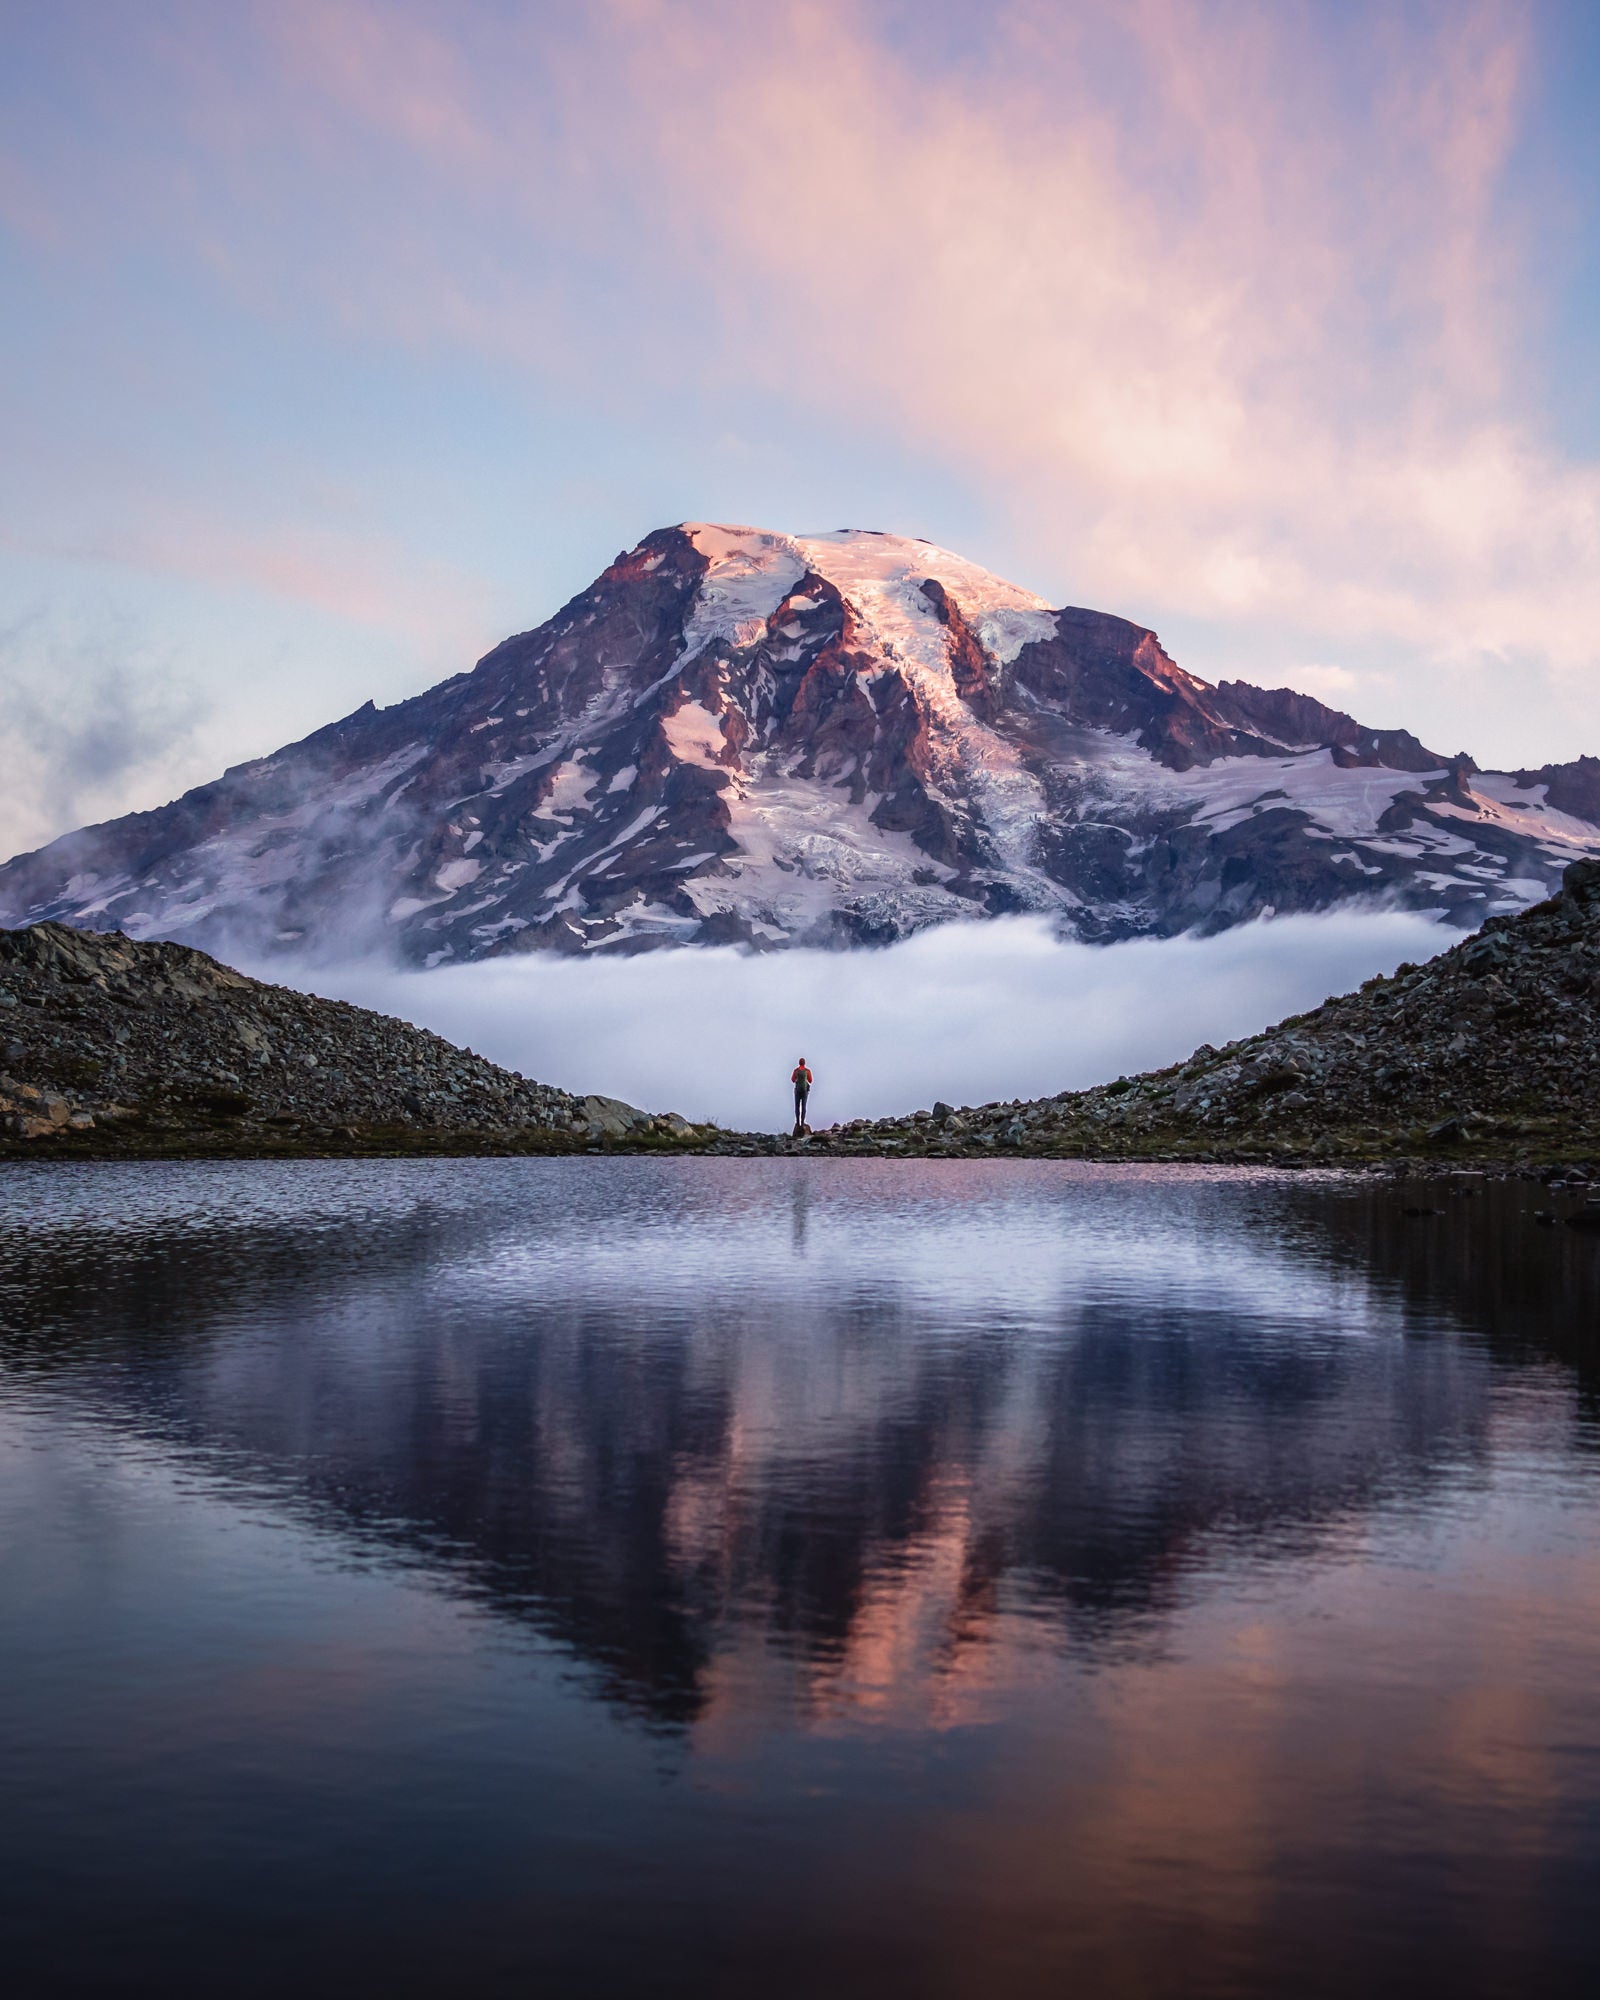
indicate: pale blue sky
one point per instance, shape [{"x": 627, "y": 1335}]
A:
[{"x": 341, "y": 338}]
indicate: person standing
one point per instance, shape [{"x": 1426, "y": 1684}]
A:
[{"x": 800, "y": 1077}]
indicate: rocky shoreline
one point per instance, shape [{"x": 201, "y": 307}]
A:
[
  {"x": 114, "y": 1048},
  {"x": 1489, "y": 1053},
  {"x": 1487, "y": 1056}
]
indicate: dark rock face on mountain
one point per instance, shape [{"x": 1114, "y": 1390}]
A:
[
  {"x": 735, "y": 736},
  {"x": 1490, "y": 1050},
  {"x": 111, "y": 1046}
]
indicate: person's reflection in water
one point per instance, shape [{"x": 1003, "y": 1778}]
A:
[{"x": 799, "y": 1215}]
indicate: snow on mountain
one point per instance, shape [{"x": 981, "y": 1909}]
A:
[{"x": 740, "y": 736}]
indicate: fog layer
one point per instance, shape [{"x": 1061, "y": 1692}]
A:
[{"x": 967, "y": 1012}]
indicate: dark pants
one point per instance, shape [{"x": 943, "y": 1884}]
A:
[{"x": 800, "y": 1097}]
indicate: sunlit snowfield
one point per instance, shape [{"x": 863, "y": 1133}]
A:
[{"x": 638, "y": 1576}]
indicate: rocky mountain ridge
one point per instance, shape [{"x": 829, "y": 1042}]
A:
[
  {"x": 112, "y": 1046},
  {"x": 1489, "y": 1051},
  {"x": 735, "y": 736}
]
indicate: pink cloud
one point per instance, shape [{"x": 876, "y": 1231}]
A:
[
  {"x": 1214, "y": 304},
  {"x": 1224, "y": 340},
  {"x": 362, "y": 578}
]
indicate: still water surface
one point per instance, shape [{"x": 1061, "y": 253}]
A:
[{"x": 626, "y": 1576}]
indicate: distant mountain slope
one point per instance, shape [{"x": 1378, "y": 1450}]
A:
[{"x": 837, "y": 739}]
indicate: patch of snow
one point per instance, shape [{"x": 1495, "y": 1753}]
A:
[
  {"x": 750, "y": 575},
  {"x": 456, "y": 916},
  {"x": 695, "y": 735},
  {"x": 502, "y": 776},
  {"x": 1004, "y": 633},
  {"x": 634, "y": 827},
  {"x": 457, "y": 874},
  {"x": 93, "y": 897},
  {"x": 1497, "y": 796},
  {"x": 1344, "y": 802},
  {"x": 1418, "y": 839},
  {"x": 572, "y": 786},
  {"x": 623, "y": 779}
]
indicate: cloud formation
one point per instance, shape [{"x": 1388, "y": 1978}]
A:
[
  {"x": 84, "y": 712},
  {"x": 968, "y": 1012},
  {"x": 1216, "y": 299}
]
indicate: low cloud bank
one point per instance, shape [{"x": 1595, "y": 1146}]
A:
[{"x": 967, "y": 1012}]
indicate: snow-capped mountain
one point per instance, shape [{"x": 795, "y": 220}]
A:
[{"x": 734, "y": 735}]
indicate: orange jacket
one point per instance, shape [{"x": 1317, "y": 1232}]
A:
[{"x": 800, "y": 1077}]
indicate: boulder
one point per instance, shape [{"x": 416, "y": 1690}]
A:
[
  {"x": 1581, "y": 881},
  {"x": 610, "y": 1118}
]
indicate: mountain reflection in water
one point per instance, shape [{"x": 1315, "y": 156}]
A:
[{"x": 1010, "y": 1455}]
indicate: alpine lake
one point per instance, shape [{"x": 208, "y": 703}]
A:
[{"x": 619, "y": 1576}]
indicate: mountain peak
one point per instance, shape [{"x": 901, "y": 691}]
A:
[{"x": 739, "y": 735}]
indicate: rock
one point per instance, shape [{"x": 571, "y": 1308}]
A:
[
  {"x": 139, "y": 1046},
  {"x": 610, "y": 1117},
  {"x": 1497, "y": 1039},
  {"x": 1581, "y": 881},
  {"x": 1270, "y": 1077},
  {"x": 1483, "y": 955}
]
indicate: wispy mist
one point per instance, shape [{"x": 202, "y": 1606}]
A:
[
  {"x": 89, "y": 713},
  {"x": 968, "y": 1012}
]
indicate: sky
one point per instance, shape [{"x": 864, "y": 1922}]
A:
[{"x": 339, "y": 338}]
